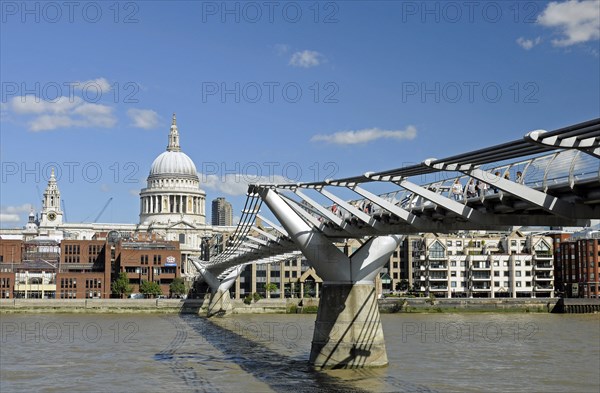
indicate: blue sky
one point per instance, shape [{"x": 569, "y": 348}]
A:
[{"x": 305, "y": 90}]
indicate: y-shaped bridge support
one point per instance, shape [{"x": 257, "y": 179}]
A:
[
  {"x": 220, "y": 299},
  {"x": 348, "y": 330}
]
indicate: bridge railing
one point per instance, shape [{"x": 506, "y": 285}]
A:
[{"x": 541, "y": 172}]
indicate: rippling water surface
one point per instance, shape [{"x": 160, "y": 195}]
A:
[{"x": 262, "y": 353}]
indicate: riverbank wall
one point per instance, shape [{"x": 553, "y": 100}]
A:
[{"x": 269, "y": 306}]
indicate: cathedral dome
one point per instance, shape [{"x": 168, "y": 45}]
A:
[{"x": 173, "y": 162}]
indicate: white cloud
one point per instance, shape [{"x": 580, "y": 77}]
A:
[
  {"x": 24, "y": 208},
  {"x": 33, "y": 105},
  {"x": 101, "y": 85},
  {"x": 64, "y": 112},
  {"x": 11, "y": 214},
  {"x": 104, "y": 187},
  {"x": 236, "y": 184},
  {"x": 9, "y": 218},
  {"x": 365, "y": 136},
  {"x": 306, "y": 59},
  {"x": 143, "y": 118},
  {"x": 134, "y": 192},
  {"x": 577, "y": 21},
  {"x": 528, "y": 44}
]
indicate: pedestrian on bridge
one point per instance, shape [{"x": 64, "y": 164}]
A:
[{"x": 457, "y": 190}]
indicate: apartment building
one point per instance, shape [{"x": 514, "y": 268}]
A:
[{"x": 484, "y": 265}]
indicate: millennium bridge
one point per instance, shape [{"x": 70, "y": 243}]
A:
[{"x": 547, "y": 178}]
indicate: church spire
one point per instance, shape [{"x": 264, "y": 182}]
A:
[{"x": 174, "y": 136}]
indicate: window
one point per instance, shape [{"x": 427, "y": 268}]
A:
[
  {"x": 496, "y": 274},
  {"x": 517, "y": 263},
  {"x": 506, "y": 274},
  {"x": 449, "y": 243},
  {"x": 542, "y": 249},
  {"x": 518, "y": 273},
  {"x": 453, "y": 284},
  {"x": 527, "y": 283},
  {"x": 452, "y": 274},
  {"x": 157, "y": 259},
  {"x": 437, "y": 250},
  {"x": 518, "y": 284},
  {"x": 182, "y": 238},
  {"x": 496, "y": 263},
  {"x": 453, "y": 263},
  {"x": 458, "y": 243},
  {"x": 496, "y": 283}
]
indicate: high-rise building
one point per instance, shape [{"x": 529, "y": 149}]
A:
[{"x": 222, "y": 212}]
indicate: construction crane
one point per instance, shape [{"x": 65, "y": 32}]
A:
[
  {"x": 103, "y": 209},
  {"x": 62, "y": 202}
]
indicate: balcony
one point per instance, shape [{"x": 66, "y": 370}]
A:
[
  {"x": 438, "y": 266},
  {"x": 438, "y": 287},
  {"x": 480, "y": 266},
  {"x": 479, "y": 287},
  {"x": 544, "y": 276},
  {"x": 544, "y": 255},
  {"x": 438, "y": 277},
  {"x": 481, "y": 276},
  {"x": 544, "y": 287},
  {"x": 543, "y": 266}
]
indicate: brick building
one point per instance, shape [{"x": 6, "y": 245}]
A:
[
  {"x": 580, "y": 265},
  {"x": 44, "y": 268},
  {"x": 156, "y": 261}
]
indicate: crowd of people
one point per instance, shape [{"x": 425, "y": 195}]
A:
[
  {"x": 458, "y": 191},
  {"x": 478, "y": 188}
]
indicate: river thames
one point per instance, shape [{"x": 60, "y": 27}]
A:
[{"x": 262, "y": 353}]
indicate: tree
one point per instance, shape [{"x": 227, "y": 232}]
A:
[
  {"x": 177, "y": 287},
  {"x": 150, "y": 288},
  {"x": 402, "y": 285},
  {"x": 121, "y": 286},
  {"x": 270, "y": 287}
]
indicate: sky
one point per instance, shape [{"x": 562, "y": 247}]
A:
[{"x": 270, "y": 90}]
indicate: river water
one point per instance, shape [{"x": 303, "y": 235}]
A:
[{"x": 263, "y": 353}]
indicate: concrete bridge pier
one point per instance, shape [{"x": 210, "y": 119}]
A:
[
  {"x": 220, "y": 300},
  {"x": 348, "y": 332}
]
